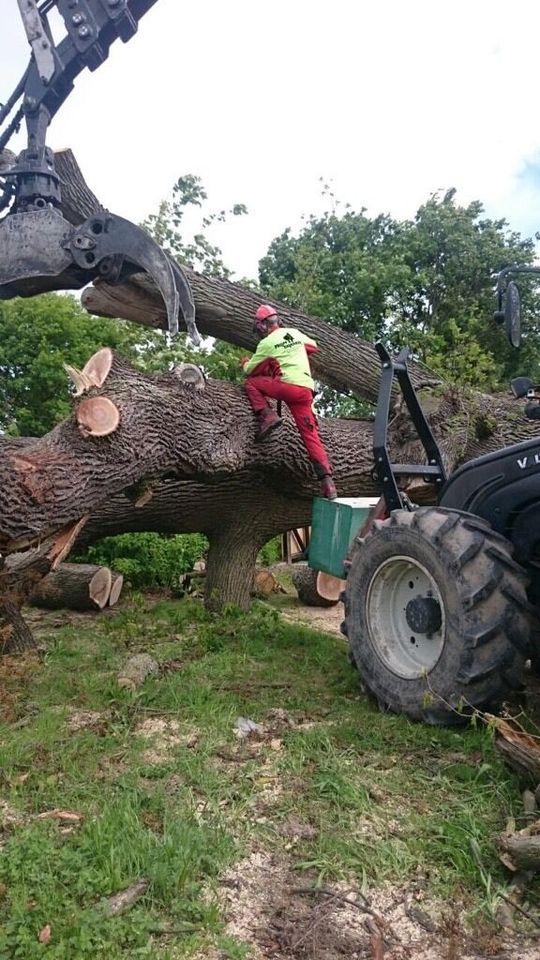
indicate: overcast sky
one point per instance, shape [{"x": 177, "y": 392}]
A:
[{"x": 391, "y": 100}]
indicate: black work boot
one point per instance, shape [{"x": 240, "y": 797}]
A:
[
  {"x": 268, "y": 421},
  {"x": 328, "y": 487}
]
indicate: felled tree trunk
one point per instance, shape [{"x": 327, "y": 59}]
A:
[
  {"x": 75, "y": 586},
  {"x": 466, "y": 425},
  {"x": 127, "y": 426}
]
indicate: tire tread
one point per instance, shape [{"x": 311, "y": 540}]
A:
[{"x": 496, "y": 611}]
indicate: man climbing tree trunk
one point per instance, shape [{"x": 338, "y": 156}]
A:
[{"x": 206, "y": 473}]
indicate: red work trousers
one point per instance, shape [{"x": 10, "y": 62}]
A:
[{"x": 299, "y": 401}]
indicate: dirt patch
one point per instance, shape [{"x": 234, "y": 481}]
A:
[
  {"x": 165, "y": 735},
  {"x": 325, "y": 619},
  {"x": 275, "y": 912},
  {"x": 84, "y": 720}
]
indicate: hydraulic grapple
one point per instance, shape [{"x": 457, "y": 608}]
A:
[{"x": 39, "y": 249}]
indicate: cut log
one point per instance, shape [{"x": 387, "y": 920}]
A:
[
  {"x": 265, "y": 583},
  {"x": 116, "y": 588},
  {"x": 74, "y": 586},
  {"x": 520, "y": 750},
  {"x": 314, "y": 588},
  {"x": 521, "y": 850},
  {"x": 329, "y": 587}
]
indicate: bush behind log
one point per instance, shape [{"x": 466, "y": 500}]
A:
[{"x": 149, "y": 560}]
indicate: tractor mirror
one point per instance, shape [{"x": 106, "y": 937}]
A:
[
  {"x": 512, "y": 314},
  {"x": 520, "y": 386}
]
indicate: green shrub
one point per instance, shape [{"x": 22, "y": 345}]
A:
[
  {"x": 149, "y": 559},
  {"x": 270, "y": 553}
]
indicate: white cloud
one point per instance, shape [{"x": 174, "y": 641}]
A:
[{"x": 391, "y": 100}]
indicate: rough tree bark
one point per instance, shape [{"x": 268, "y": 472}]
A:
[
  {"x": 166, "y": 427},
  {"x": 74, "y": 586}
]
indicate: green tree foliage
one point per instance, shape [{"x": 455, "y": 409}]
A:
[
  {"x": 39, "y": 335},
  {"x": 342, "y": 267},
  {"x": 168, "y": 227},
  {"x": 427, "y": 283}
]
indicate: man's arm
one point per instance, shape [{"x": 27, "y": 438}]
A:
[{"x": 263, "y": 351}]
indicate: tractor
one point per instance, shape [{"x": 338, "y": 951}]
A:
[{"x": 440, "y": 601}]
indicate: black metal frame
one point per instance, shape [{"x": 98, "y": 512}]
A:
[{"x": 385, "y": 470}]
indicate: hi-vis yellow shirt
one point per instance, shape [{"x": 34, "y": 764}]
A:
[{"x": 287, "y": 347}]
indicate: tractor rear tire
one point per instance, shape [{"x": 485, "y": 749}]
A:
[{"x": 437, "y": 616}]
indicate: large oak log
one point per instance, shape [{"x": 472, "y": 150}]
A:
[
  {"x": 239, "y": 492},
  {"x": 222, "y": 483},
  {"x": 164, "y": 427}
]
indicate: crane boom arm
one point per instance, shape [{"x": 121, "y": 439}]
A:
[{"x": 39, "y": 250}]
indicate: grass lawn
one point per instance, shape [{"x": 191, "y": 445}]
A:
[{"x": 329, "y": 791}]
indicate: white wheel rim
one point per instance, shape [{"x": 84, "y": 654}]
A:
[{"x": 407, "y": 652}]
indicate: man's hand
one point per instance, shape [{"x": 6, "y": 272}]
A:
[{"x": 243, "y": 360}]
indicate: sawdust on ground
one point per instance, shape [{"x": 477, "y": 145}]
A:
[
  {"x": 274, "y": 912},
  {"x": 326, "y": 619},
  {"x": 164, "y": 735}
]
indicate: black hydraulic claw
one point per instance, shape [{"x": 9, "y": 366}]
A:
[
  {"x": 41, "y": 251},
  {"x": 114, "y": 248},
  {"x": 187, "y": 304}
]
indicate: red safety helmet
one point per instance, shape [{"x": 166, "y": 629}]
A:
[
  {"x": 265, "y": 311},
  {"x": 265, "y": 317}
]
